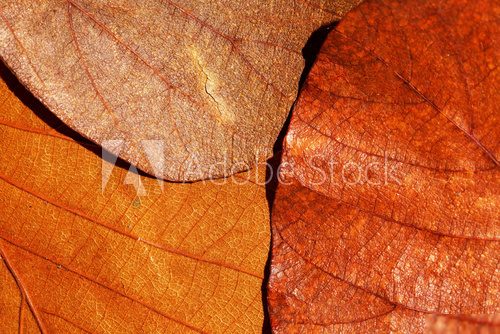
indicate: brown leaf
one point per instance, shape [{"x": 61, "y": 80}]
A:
[
  {"x": 389, "y": 221},
  {"x": 74, "y": 258},
  {"x": 212, "y": 81}
]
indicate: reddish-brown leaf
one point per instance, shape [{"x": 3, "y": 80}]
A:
[
  {"x": 389, "y": 218},
  {"x": 77, "y": 258},
  {"x": 213, "y": 81}
]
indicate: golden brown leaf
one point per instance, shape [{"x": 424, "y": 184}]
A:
[
  {"x": 185, "y": 258},
  {"x": 389, "y": 222},
  {"x": 213, "y": 81}
]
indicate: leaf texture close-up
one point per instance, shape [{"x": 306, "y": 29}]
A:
[
  {"x": 213, "y": 80},
  {"x": 386, "y": 219},
  {"x": 176, "y": 258},
  {"x": 223, "y": 166}
]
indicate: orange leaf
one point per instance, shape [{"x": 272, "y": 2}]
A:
[
  {"x": 389, "y": 221},
  {"x": 213, "y": 81},
  {"x": 188, "y": 257}
]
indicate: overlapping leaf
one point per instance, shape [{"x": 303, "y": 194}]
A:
[
  {"x": 74, "y": 258},
  {"x": 213, "y": 81},
  {"x": 388, "y": 221}
]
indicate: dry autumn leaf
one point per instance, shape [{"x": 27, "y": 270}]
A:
[
  {"x": 185, "y": 258},
  {"x": 213, "y": 81},
  {"x": 388, "y": 221}
]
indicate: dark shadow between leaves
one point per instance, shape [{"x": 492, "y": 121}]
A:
[{"x": 310, "y": 53}]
